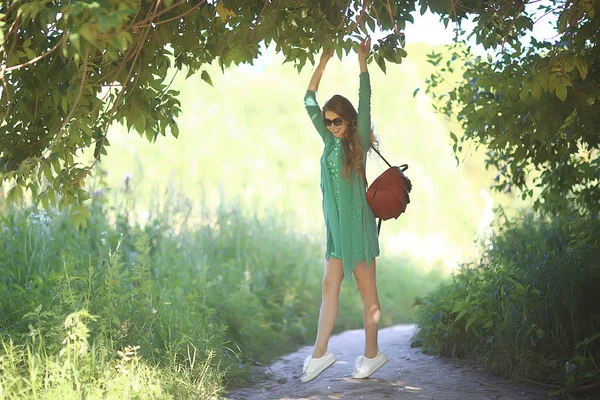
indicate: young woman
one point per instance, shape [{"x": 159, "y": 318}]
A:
[{"x": 352, "y": 243}]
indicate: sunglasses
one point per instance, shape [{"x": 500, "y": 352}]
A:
[{"x": 336, "y": 122}]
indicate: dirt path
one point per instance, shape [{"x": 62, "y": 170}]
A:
[{"x": 408, "y": 375}]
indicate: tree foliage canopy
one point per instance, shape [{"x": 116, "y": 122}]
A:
[
  {"x": 535, "y": 106},
  {"x": 69, "y": 68}
]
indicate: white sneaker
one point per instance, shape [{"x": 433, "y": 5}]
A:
[
  {"x": 313, "y": 367},
  {"x": 365, "y": 367}
]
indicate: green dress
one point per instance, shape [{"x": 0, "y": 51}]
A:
[{"x": 350, "y": 223}]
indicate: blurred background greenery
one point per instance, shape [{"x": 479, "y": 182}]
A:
[{"x": 248, "y": 137}]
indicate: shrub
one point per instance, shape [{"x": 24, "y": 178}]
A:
[{"x": 529, "y": 307}]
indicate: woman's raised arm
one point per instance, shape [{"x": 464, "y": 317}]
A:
[
  {"x": 310, "y": 98},
  {"x": 364, "y": 95},
  {"x": 313, "y": 86},
  {"x": 363, "y": 52}
]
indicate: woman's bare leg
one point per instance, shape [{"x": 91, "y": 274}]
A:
[
  {"x": 367, "y": 286},
  {"x": 332, "y": 280}
]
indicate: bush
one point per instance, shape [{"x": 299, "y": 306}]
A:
[{"x": 528, "y": 308}]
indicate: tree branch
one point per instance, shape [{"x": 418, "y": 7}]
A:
[
  {"x": 377, "y": 16},
  {"x": 113, "y": 111},
  {"x": 72, "y": 111},
  {"x": 36, "y": 59},
  {"x": 366, "y": 3},
  {"x": 344, "y": 17},
  {"x": 258, "y": 19},
  {"x": 389, "y": 8},
  {"x": 181, "y": 15},
  {"x": 153, "y": 15},
  {"x": 512, "y": 24},
  {"x": 5, "y": 84}
]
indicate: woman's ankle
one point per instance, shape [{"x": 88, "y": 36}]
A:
[
  {"x": 318, "y": 353},
  {"x": 371, "y": 353}
]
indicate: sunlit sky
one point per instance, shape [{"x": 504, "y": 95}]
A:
[{"x": 428, "y": 28}]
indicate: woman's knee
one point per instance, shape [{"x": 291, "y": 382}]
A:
[
  {"x": 366, "y": 284},
  {"x": 332, "y": 282},
  {"x": 334, "y": 274}
]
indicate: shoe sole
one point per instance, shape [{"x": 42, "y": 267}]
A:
[
  {"x": 375, "y": 370},
  {"x": 307, "y": 378}
]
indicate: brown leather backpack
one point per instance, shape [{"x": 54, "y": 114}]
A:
[{"x": 388, "y": 194}]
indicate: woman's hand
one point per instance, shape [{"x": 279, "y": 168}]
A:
[
  {"x": 363, "y": 52},
  {"x": 364, "y": 48}
]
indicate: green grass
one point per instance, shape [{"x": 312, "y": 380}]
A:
[
  {"x": 529, "y": 308},
  {"x": 177, "y": 307}
]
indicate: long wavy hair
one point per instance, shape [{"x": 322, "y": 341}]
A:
[{"x": 354, "y": 154}]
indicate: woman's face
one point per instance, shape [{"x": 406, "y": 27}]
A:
[{"x": 336, "y": 124}]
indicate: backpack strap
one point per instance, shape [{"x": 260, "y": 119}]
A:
[{"x": 402, "y": 167}]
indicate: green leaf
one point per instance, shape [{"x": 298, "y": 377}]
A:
[
  {"x": 458, "y": 306},
  {"x": 536, "y": 91},
  {"x": 44, "y": 198},
  {"x": 14, "y": 194},
  {"x": 64, "y": 103},
  {"x": 561, "y": 92},
  {"x": 87, "y": 33},
  {"x": 34, "y": 191},
  {"x": 206, "y": 77},
  {"x": 48, "y": 171},
  {"x": 370, "y": 22},
  {"x": 80, "y": 209},
  {"x": 30, "y": 53},
  {"x": 453, "y": 137},
  {"x": 563, "y": 20},
  {"x": 582, "y": 67},
  {"x": 85, "y": 127},
  {"x": 523, "y": 22},
  {"x": 523, "y": 94},
  {"x": 381, "y": 62},
  {"x": 469, "y": 323},
  {"x": 460, "y": 315},
  {"x": 51, "y": 196},
  {"x": 569, "y": 63},
  {"x": 79, "y": 221},
  {"x": 55, "y": 163},
  {"x": 74, "y": 38},
  {"x": 175, "y": 130}
]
